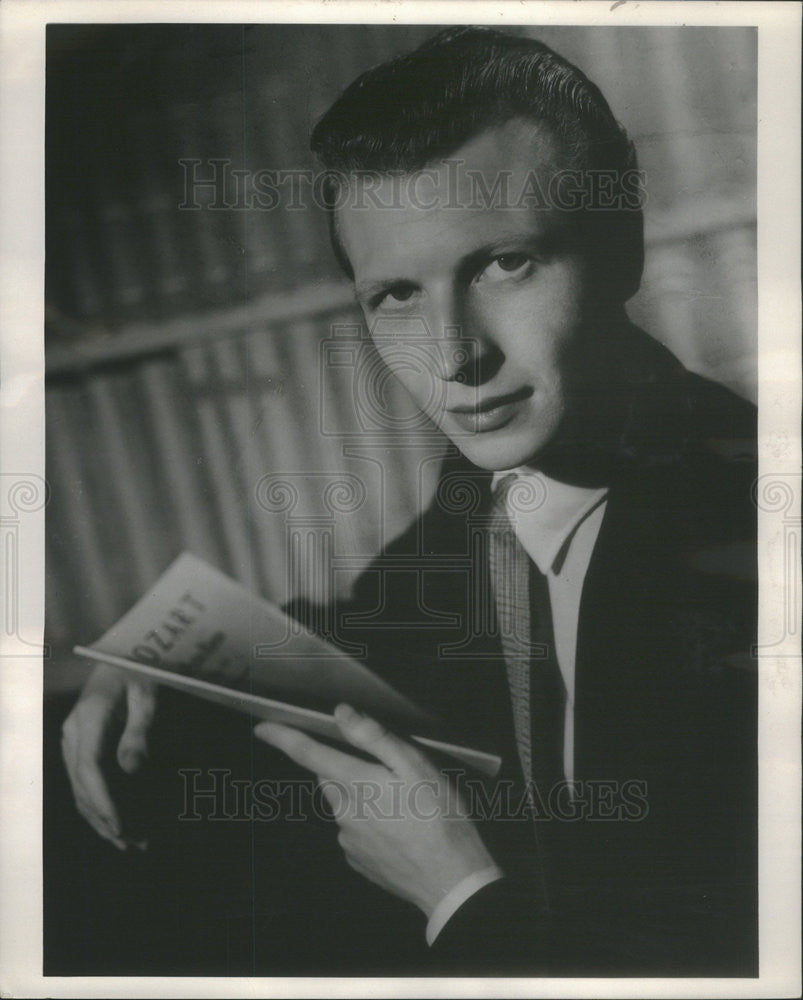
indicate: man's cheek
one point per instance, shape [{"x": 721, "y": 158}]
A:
[{"x": 419, "y": 380}]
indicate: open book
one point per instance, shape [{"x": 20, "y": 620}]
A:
[{"x": 198, "y": 631}]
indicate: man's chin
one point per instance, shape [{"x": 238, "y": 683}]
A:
[{"x": 497, "y": 452}]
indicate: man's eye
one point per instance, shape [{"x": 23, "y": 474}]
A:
[
  {"x": 511, "y": 261},
  {"x": 506, "y": 266},
  {"x": 396, "y": 296}
]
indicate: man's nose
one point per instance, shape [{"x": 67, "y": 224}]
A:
[{"x": 469, "y": 352}]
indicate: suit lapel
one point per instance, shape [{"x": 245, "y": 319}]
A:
[{"x": 618, "y": 645}]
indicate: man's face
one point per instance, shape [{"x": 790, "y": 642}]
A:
[{"x": 479, "y": 309}]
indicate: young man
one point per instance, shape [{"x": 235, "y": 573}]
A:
[{"x": 486, "y": 205}]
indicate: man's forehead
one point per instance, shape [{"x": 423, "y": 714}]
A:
[
  {"x": 490, "y": 189},
  {"x": 520, "y": 143},
  {"x": 374, "y": 241},
  {"x": 468, "y": 175}
]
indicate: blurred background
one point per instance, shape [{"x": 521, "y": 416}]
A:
[{"x": 205, "y": 385}]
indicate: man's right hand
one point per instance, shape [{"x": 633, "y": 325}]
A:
[{"x": 106, "y": 730}]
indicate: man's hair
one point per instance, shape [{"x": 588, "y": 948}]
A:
[{"x": 421, "y": 106}]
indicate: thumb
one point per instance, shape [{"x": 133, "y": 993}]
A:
[{"x": 132, "y": 750}]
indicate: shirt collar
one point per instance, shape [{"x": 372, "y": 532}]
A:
[{"x": 550, "y": 524}]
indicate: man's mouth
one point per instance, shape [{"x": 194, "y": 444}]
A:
[{"x": 489, "y": 414}]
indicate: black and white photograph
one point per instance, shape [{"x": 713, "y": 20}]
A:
[{"x": 403, "y": 509}]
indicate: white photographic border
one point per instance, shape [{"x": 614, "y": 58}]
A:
[{"x": 22, "y": 457}]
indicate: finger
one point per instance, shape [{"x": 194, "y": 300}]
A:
[
  {"x": 99, "y": 827},
  {"x": 106, "y": 826},
  {"x": 337, "y": 797},
  {"x": 68, "y": 749},
  {"x": 369, "y": 735},
  {"x": 132, "y": 750},
  {"x": 88, "y": 779},
  {"x": 95, "y": 793},
  {"x": 97, "y": 824},
  {"x": 315, "y": 756},
  {"x": 69, "y": 753},
  {"x": 80, "y": 753}
]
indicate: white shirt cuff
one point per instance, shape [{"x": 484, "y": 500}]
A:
[{"x": 454, "y": 899}]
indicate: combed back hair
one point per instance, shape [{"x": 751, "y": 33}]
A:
[{"x": 422, "y": 106}]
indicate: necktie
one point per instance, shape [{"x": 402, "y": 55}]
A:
[{"x": 524, "y": 617}]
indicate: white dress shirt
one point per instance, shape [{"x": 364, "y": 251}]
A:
[{"x": 558, "y": 530}]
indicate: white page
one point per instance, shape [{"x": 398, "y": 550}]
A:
[{"x": 198, "y": 622}]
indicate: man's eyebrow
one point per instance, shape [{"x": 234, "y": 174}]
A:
[{"x": 369, "y": 289}]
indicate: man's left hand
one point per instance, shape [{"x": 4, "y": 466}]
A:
[{"x": 402, "y": 824}]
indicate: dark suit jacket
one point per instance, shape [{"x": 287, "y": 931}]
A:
[{"x": 655, "y": 872}]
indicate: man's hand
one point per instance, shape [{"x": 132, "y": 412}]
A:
[
  {"x": 401, "y": 825},
  {"x": 111, "y": 710}
]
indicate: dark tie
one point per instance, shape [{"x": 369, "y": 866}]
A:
[{"x": 524, "y": 616}]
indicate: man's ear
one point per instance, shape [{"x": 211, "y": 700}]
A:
[
  {"x": 631, "y": 233},
  {"x": 337, "y": 245}
]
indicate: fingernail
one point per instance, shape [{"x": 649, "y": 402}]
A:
[
  {"x": 133, "y": 760},
  {"x": 347, "y": 715}
]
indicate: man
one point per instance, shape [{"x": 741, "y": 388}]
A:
[{"x": 486, "y": 205}]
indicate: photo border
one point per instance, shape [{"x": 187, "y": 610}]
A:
[{"x": 22, "y": 454}]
